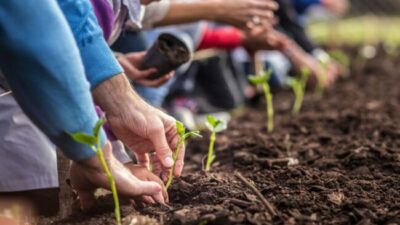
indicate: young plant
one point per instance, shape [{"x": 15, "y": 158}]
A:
[
  {"x": 263, "y": 81},
  {"x": 215, "y": 126},
  {"x": 321, "y": 81},
  {"x": 93, "y": 140},
  {"x": 299, "y": 85},
  {"x": 183, "y": 136}
]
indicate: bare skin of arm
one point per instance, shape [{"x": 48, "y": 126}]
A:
[{"x": 234, "y": 12}]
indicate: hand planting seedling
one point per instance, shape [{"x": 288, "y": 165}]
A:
[
  {"x": 215, "y": 126},
  {"x": 263, "y": 81},
  {"x": 183, "y": 136},
  {"x": 94, "y": 142},
  {"x": 299, "y": 85}
]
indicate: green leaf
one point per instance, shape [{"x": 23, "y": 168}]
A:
[
  {"x": 210, "y": 123},
  {"x": 305, "y": 72},
  {"x": 220, "y": 126},
  {"x": 211, "y": 119},
  {"x": 191, "y": 134},
  {"x": 180, "y": 128},
  {"x": 84, "y": 138},
  {"x": 292, "y": 82},
  {"x": 100, "y": 123},
  {"x": 215, "y": 125},
  {"x": 261, "y": 79}
]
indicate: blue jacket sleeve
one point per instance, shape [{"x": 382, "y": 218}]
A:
[
  {"x": 39, "y": 57},
  {"x": 98, "y": 60}
]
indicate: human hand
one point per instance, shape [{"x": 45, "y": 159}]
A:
[
  {"x": 338, "y": 7},
  {"x": 240, "y": 12},
  {"x": 89, "y": 174},
  {"x": 260, "y": 38},
  {"x": 144, "y": 174},
  {"x": 326, "y": 74},
  {"x": 131, "y": 62},
  {"x": 141, "y": 127}
]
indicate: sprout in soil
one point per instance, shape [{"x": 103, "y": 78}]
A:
[
  {"x": 325, "y": 60},
  {"x": 93, "y": 141},
  {"x": 183, "y": 136},
  {"x": 340, "y": 57},
  {"x": 263, "y": 81},
  {"x": 299, "y": 85},
  {"x": 215, "y": 126}
]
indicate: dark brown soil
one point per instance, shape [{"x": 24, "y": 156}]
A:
[
  {"x": 347, "y": 146},
  {"x": 175, "y": 52}
]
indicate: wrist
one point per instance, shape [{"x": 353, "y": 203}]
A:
[{"x": 114, "y": 93}]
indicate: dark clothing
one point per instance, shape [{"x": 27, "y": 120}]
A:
[{"x": 289, "y": 22}]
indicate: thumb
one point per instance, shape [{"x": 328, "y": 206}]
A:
[
  {"x": 150, "y": 188},
  {"x": 161, "y": 146}
]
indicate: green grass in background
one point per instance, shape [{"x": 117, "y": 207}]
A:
[{"x": 359, "y": 30}]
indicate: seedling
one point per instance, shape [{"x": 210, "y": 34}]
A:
[
  {"x": 321, "y": 81},
  {"x": 340, "y": 57},
  {"x": 325, "y": 60},
  {"x": 263, "y": 81},
  {"x": 183, "y": 136},
  {"x": 299, "y": 85},
  {"x": 215, "y": 126},
  {"x": 93, "y": 140}
]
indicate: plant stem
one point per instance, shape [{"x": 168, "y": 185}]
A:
[
  {"x": 210, "y": 157},
  {"x": 174, "y": 156},
  {"x": 298, "y": 102},
  {"x": 112, "y": 184},
  {"x": 270, "y": 108}
]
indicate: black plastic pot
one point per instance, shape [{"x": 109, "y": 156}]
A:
[{"x": 167, "y": 54}]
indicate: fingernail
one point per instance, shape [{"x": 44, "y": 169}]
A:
[{"x": 168, "y": 161}]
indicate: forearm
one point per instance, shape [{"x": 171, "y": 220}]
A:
[
  {"x": 47, "y": 78},
  {"x": 190, "y": 11},
  {"x": 115, "y": 94}
]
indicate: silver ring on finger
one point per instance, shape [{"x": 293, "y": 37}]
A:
[{"x": 256, "y": 20}]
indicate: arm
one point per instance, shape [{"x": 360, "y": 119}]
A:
[
  {"x": 98, "y": 60},
  {"x": 234, "y": 12},
  {"x": 44, "y": 71}
]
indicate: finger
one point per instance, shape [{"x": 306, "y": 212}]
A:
[
  {"x": 86, "y": 199},
  {"x": 262, "y": 14},
  {"x": 159, "y": 140},
  {"x": 157, "y": 82},
  {"x": 147, "y": 188},
  {"x": 148, "y": 200},
  {"x": 156, "y": 167},
  {"x": 136, "y": 58},
  {"x": 142, "y": 74},
  {"x": 159, "y": 198},
  {"x": 264, "y": 5},
  {"x": 137, "y": 202},
  {"x": 180, "y": 161},
  {"x": 129, "y": 69},
  {"x": 143, "y": 159}
]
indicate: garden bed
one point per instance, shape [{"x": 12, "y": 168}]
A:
[{"x": 338, "y": 162}]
